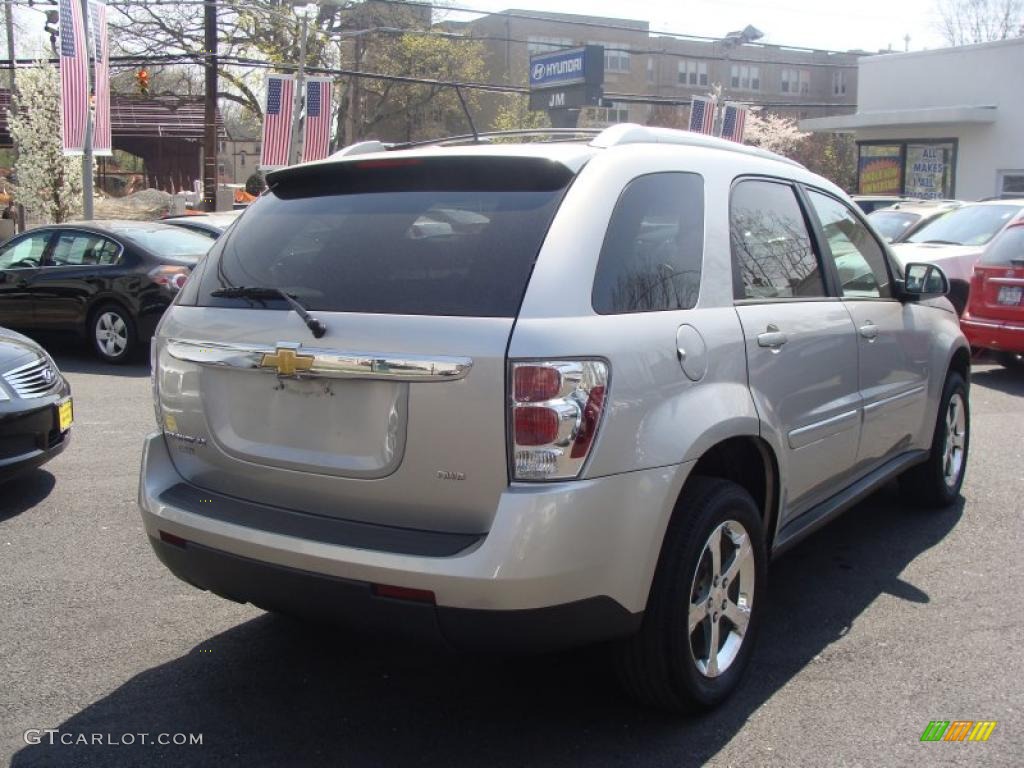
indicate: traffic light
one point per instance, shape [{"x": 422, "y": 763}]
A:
[{"x": 142, "y": 79}]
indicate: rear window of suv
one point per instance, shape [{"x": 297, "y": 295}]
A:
[{"x": 453, "y": 236}]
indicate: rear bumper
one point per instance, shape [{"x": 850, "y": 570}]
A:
[
  {"x": 993, "y": 334},
  {"x": 563, "y": 563}
]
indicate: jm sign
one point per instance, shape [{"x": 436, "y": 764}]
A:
[{"x": 567, "y": 79}]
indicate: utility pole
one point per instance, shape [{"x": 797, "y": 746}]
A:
[
  {"x": 87, "y": 159},
  {"x": 9, "y": 21},
  {"x": 210, "y": 116},
  {"x": 300, "y": 93}
]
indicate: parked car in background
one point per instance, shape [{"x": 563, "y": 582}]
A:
[
  {"x": 956, "y": 241},
  {"x": 994, "y": 319},
  {"x": 870, "y": 203},
  {"x": 898, "y": 222},
  {"x": 518, "y": 396},
  {"x": 212, "y": 225},
  {"x": 109, "y": 281},
  {"x": 35, "y": 406}
]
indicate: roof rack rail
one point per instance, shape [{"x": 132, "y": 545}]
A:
[
  {"x": 483, "y": 136},
  {"x": 631, "y": 133}
]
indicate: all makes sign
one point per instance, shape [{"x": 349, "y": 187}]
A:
[{"x": 567, "y": 79}]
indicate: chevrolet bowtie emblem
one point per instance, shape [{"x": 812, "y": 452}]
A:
[{"x": 287, "y": 361}]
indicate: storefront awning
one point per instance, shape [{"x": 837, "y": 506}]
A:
[{"x": 898, "y": 118}]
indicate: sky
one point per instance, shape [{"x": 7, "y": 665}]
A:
[
  {"x": 843, "y": 25},
  {"x": 832, "y": 24}
]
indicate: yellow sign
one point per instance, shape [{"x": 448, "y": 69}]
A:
[
  {"x": 287, "y": 361},
  {"x": 65, "y": 415}
]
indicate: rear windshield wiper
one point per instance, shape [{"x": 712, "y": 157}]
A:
[{"x": 316, "y": 327}]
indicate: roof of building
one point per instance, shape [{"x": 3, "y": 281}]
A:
[{"x": 180, "y": 117}]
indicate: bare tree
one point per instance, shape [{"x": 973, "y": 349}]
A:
[{"x": 965, "y": 22}]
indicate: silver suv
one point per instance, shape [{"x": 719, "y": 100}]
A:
[{"x": 536, "y": 395}]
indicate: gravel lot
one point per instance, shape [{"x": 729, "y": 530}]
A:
[{"x": 886, "y": 620}]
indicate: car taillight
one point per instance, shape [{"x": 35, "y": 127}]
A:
[
  {"x": 170, "y": 277},
  {"x": 555, "y": 415}
]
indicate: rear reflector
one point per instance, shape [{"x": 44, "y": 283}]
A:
[
  {"x": 170, "y": 538},
  {"x": 403, "y": 593}
]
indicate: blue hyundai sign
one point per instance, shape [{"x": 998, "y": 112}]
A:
[
  {"x": 559, "y": 68},
  {"x": 567, "y": 79}
]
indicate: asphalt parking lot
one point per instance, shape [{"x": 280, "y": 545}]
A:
[{"x": 886, "y": 620}]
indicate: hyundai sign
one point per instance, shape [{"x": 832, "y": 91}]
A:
[{"x": 567, "y": 79}]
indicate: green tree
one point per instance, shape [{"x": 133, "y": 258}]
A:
[
  {"x": 514, "y": 114},
  {"x": 49, "y": 184}
]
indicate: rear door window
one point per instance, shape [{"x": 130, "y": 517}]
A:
[
  {"x": 417, "y": 236},
  {"x": 771, "y": 247},
  {"x": 75, "y": 249},
  {"x": 1006, "y": 249},
  {"x": 651, "y": 257}
]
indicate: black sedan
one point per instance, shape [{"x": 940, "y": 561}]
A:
[
  {"x": 108, "y": 281},
  {"x": 35, "y": 406}
]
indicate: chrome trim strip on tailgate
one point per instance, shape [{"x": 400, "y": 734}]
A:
[{"x": 326, "y": 363}]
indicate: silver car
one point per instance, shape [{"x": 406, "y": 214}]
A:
[{"x": 537, "y": 395}]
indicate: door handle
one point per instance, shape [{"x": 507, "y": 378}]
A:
[
  {"x": 869, "y": 331},
  {"x": 772, "y": 338}
]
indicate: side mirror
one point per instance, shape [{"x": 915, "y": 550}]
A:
[{"x": 924, "y": 281}]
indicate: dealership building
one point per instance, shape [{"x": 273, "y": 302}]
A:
[{"x": 947, "y": 123}]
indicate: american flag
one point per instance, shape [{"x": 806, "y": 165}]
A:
[
  {"x": 74, "y": 77},
  {"x": 702, "y": 114},
  {"x": 318, "y": 119},
  {"x": 101, "y": 143},
  {"x": 734, "y": 119},
  {"x": 277, "y": 121}
]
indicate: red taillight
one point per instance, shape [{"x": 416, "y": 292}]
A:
[
  {"x": 536, "y": 383},
  {"x": 588, "y": 427},
  {"x": 403, "y": 593},
  {"x": 173, "y": 278},
  {"x": 536, "y": 426},
  {"x": 552, "y": 441}
]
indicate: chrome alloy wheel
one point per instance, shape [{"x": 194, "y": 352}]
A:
[
  {"x": 956, "y": 439},
  {"x": 721, "y": 598},
  {"x": 111, "y": 334}
]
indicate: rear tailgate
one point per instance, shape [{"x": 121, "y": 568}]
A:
[{"x": 396, "y": 415}]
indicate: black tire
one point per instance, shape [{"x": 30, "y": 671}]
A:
[
  {"x": 114, "y": 319},
  {"x": 928, "y": 484},
  {"x": 658, "y": 665}
]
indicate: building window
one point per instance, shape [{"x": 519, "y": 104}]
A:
[
  {"x": 745, "y": 77},
  {"x": 241, "y": 159},
  {"x": 650, "y": 70},
  {"x": 538, "y": 44},
  {"x": 616, "y": 57},
  {"x": 839, "y": 83},
  {"x": 1011, "y": 184},
  {"x": 796, "y": 81},
  {"x": 693, "y": 72}
]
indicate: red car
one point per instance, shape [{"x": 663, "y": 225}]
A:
[{"x": 994, "y": 318}]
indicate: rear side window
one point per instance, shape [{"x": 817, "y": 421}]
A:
[
  {"x": 75, "y": 249},
  {"x": 1006, "y": 249},
  {"x": 652, "y": 251},
  {"x": 416, "y": 236},
  {"x": 771, "y": 248}
]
